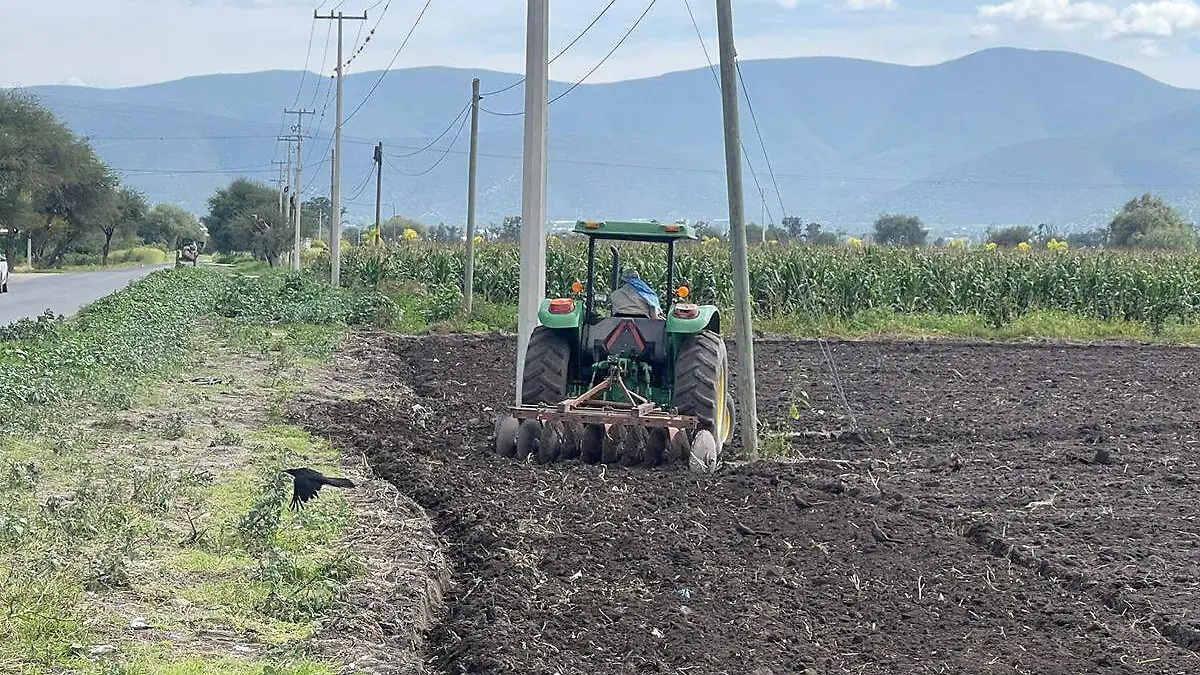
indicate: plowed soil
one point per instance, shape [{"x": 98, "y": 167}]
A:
[{"x": 1007, "y": 509}]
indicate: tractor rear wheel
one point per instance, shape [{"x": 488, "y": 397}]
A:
[
  {"x": 702, "y": 384},
  {"x": 547, "y": 367}
]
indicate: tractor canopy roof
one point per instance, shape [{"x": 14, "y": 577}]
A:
[{"x": 635, "y": 230}]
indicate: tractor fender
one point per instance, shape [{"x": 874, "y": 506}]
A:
[
  {"x": 709, "y": 318},
  {"x": 573, "y": 319}
]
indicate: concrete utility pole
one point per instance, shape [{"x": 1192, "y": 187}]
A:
[
  {"x": 335, "y": 244},
  {"x": 378, "y": 186},
  {"x": 469, "y": 270},
  {"x": 332, "y": 154},
  {"x": 281, "y": 182},
  {"x": 29, "y": 251},
  {"x": 737, "y": 232},
  {"x": 296, "y": 191},
  {"x": 287, "y": 174},
  {"x": 763, "y": 195},
  {"x": 533, "y": 175}
]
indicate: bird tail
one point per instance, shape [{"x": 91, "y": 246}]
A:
[{"x": 339, "y": 482}]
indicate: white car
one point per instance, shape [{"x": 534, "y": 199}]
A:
[{"x": 3, "y": 274}]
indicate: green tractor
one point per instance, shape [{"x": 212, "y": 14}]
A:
[{"x": 610, "y": 381}]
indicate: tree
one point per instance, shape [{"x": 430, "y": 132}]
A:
[
  {"x": 446, "y": 233},
  {"x": 82, "y": 199},
  {"x": 314, "y": 216},
  {"x": 705, "y": 229},
  {"x": 510, "y": 229},
  {"x": 167, "y": 224},
  {"x": 1149, "y": 222},
  {"x": 245, "y": 217},
  {"x": 393, "y": 228},
  {"x": 49, "y": 179},
  {"x": 124, "y": 215},
  {"x": 900, "y": 230},
  {"x": 815, "y": 236},
  {"x": 1097, "y": 238},
  {"x": 795, "y": 227},
  {"x": 1009, "y": 237}
]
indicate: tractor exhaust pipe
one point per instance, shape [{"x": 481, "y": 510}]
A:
[{"x": 616, "y": 268}]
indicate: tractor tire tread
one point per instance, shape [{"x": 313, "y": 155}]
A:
[
  {"x": 547, "y": 368},
  {"x": 696, "y": 372}
]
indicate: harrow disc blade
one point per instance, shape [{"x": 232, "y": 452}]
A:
[
  {"x": 679, "y": 448},
  {"x": 703, "y": 457},
  {"x": 527, "y": 438},
  {"x": 550, "y": 443},
  {"x": 506, "y": 435},
  {"x": 591, "y": 446},
  {"x": 633, "y": 449},
  {"x": 656, "y": 446},
  {"x": 573, "y": 433},
  {"x": 614, "y": 441}
]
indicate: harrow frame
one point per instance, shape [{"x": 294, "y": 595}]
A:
[{"x": 587, "y": 408}]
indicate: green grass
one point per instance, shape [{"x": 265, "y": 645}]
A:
[{"x": 113, "y": 499}]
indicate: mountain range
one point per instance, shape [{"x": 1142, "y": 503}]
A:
[{"x": 1001, "y": 136}]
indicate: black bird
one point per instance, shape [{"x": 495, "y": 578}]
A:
[{"x": 306, "y": 483}]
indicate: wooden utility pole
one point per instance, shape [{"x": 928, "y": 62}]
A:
[
  {"x": 335, "y": 244},
  {"x": 378, "y": 187},
  {"x": 737, "y": 232},
  {"x": 299, "y": 136},
  {"x": 533, "y": 176},
  {"x": 469, "y": 269}
]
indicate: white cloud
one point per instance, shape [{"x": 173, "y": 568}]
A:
[
  {"x": 1152, "y": 49},
  {"x": 1054, "y": 14},
  {"x": 868, "y": 4},
  {"x": 984, "y": 30},
  {"x": 1160, "y": 19}
]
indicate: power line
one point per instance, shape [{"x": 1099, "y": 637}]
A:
[
  {"x": 307, "y": 57},
  {"x": 761, "y": 144},
  {"x": 442, "y": 158},
  {"x": 594, "y": 68},
  {"x": 395, "y": 56},
  {"x": 610, "y": 52},
  {"x": 359, "y": 47},
  {"x": 562, "y": 51},
  {"x": 371, "y": 33},
  {"x": 679, "y": 169},
  {"x": 324, "y": 62},
  {"x": 363, "y": 185},
  {"x": 717, "y": 80},
  {"x": 500, "y": 114},
  {"x": 440, "y": 136},
  {"x": 257, "y": 168}
]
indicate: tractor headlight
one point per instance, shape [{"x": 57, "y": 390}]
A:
[{"x": 562, "y": 306}]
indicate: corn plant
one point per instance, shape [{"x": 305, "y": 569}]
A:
[{"x": 839, "y": 283}]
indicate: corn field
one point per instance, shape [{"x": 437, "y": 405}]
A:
[{"x": 835, "y": 282}]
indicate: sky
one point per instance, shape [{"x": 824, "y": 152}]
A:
[{"x": 113, "y": 43}]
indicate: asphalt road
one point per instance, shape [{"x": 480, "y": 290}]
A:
[{"x": 31, "y": 294}]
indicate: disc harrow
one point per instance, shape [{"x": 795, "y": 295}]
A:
[{"x": 595, "y": 430}]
